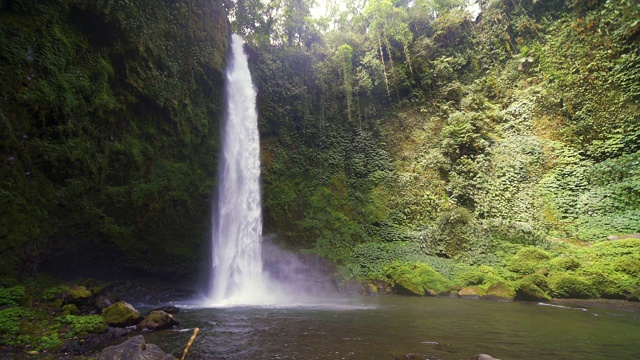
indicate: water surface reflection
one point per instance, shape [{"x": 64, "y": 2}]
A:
[{"x": 390, "y": 326}]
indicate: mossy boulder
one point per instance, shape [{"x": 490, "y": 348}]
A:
[
  {"x": 532, "y": 288},
  {"x": 78, "y": 292},
  {"x": 121, "y": 314},
  {"x": 417, "y": 278},
  {"x": 157, "y": 320},
  {"x": 500, "y": 291},
  {"x": 480, "y": 275},
  {"x": 471, "y": 292},
  {"x": 567, "y": 285}
]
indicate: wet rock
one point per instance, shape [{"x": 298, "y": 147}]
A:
[
  {"x": 483, "y": 357},
  {"x": 121, "y": 314},
  {"x": 134, "y": 349},
  {"x": 157, "y": 320}
]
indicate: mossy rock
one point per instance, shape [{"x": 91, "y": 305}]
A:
[
  {"x": 527, "y": 260},
  {"x": 372, "y": 289},
  {"x": 500, "y": 291},
  {"x": 566, "y": 285},
  {"x": 479, "y": 275},
  {"x": 471, "y": 292},
  {"x": 78, "y": 293},
  {"x": 564, "y": 263},
  {"x": 532, "y": 288},
  {"x": 121, "y": 314},
  {"x": 157, "y": 320},
  {"x": 417, "y": 278}
]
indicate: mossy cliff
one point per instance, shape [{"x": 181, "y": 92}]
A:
[{"x": 108, "y": 130}]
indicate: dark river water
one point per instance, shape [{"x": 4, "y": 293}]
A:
[{"x": 387, "y": 327}]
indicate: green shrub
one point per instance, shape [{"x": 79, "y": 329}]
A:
[
  {"x": 11, "y": 320},
  {"x": 54, "y": 293},
  {"x": 12, "y": 296},
  {"x": 82, "y": 325},
  {"x": 368, "y": 260}
]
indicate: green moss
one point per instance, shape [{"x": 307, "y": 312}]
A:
[
  {"x": 418, "y": 278},
  {"x": 565, "y": 285},
  {"x": 532, "y": 287},
  {"x": 527, "y": 260},
  {"x": 564, "y": 263},
  {"x": 480, "y": 275},
  {"x": 501, "y": 291},
  {"x": 78, "y": 292},
  {"x": 471, "y": 292},
  {"x": 120, "y": 314}
]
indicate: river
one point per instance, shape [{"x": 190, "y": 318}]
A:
[{"x": 387, "y": 327}]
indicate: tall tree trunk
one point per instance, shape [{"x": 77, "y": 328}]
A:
[{"x": 384, "y": 67}]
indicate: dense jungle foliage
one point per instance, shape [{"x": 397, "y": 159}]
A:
[
  {"x": 108, "y": 121},
  {"x": 417, "y": 147},
  {"x": 403, "y": 137}
]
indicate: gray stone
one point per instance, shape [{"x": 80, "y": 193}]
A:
[{"x": 134, "y": 349}]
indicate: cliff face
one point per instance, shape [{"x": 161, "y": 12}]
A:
[{"x": 108, "y": 130}]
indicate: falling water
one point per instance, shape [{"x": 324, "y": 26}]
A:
[{"x": 237, "y": 264}]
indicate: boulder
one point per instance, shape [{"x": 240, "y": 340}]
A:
[
  {"x": 472, "y": 292},
  {"x": 500, "y": 291},
  {"x": 528, "y": 291},
  {"x": 483, "y": 357},
  {"x": 121, "y": 314},
  {"x": 103, "y": 301},
  {"x": 134, "y": 349},
  {"x": 157, "y": 320},
  {"x": 77, "y": 294}
]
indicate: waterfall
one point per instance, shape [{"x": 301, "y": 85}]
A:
[{"x": 237, "y": 225}]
